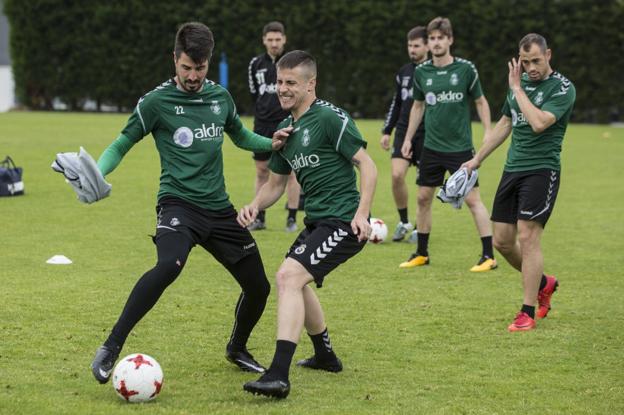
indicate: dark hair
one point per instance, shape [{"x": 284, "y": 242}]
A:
[
  {"x": 196, "y": 40},
  {"x": 296, "y": 58},
  {"x": 442, "y": 24},
  {"x": 530, "y": 39},
  {"x": 273, "y": 27},
  {"x": 418, "y": 32}
]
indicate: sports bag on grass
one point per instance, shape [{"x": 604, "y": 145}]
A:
[{"x": 11, "y": 183}]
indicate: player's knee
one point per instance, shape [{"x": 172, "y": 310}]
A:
[
  {"x": 424, "y": 201},
  {"x": 503, "y": 245},
  {"x": 169, "y": 268},
  {"x": 398, "y": 177},
  {"x": 286, "y": 279}
]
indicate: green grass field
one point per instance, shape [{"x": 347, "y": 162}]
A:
[{"x": 419, "y": 341}]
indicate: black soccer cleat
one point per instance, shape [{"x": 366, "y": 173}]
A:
[
  {"x": 334, "y": 366},
  {"x": 103, "y": 363},
  {"x": 278, "y": 389},
  {"x": 244, "y": 360}
]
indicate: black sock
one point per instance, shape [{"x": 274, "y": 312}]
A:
[
  {"x": 529, "y": 309},
  {"x": 284, "y": 352},
  {"x": 322, "y": 346},
  {"x": 486, "y": 242},
  {"x": 115, "y": 343},
  {"x": 260, "y": 216},
  {"x": 292, "y": 213},
  {"x": 423, "y": 244},
  {"x": 403, "y": 215},
  {"x": 543, "y": 282}
]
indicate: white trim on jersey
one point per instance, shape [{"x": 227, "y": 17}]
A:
[
  {"x": 345, "y": 121},
  {"x": 252, "y": 86},
  {"x": 138, "y": 110}
]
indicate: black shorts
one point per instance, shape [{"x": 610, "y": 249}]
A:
[
  {"x": 218, "y": 232},
  {"x": 267, "y": 131},
  {"x": 417, "y": 146},
  {"x": 434, "y": 164},
  {"x": 323, "y": 245},
  {"x": 527, "y": 195}
]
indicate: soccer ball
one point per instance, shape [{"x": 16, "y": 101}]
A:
[
  {"x": 379, "y": 231},
  {"x": 137, "y": 378}
]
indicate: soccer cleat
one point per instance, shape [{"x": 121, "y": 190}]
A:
[
  {"x": 334, "y": 365},
  {"x": 103, "y": 363},
  {"x": 244, "y": 360},
  {"x": 291, "y": 225},
  {"x": 257, "y": 225},
  {"x": 484, "y": 264},
  {"x": 544, "y": 296},
  {"x": 273, "y": 388},
  {"x": 401, "y": 230},
  {"x": 415, "y": 261},
  {"x": 413, "y": 238},
  {"x": 522, "y": 322}
]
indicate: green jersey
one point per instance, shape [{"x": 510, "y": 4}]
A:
[
  {"x": 319, "y": 150},
  {"x": 530, "y": 150},
  {"x": 188, "y": 132},
  {"x": 446, "y": 91}
]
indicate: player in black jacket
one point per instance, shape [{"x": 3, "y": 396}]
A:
[
  {"x": 398, "y": 117},
  {"x": 268, "y": 114}
]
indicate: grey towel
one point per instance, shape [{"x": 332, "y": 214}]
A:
[
  {"x": 457, "y": 186},
  {"x": 82, "y": 173}
]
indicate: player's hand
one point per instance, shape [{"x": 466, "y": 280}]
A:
[
  {"x": 280, "y": 137},
  {"x": 406, "y": 149},
  {"x": 247, "y": 215},
  {"x": 385, "y": 141},
  {"x": 361, "y": 227},
  {"x": 515, "y": 70},
  {"x": 471, "y": 165}
]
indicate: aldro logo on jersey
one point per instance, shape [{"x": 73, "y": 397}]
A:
[
  {"x": 444, "y": 97},
  {"x": 300, "y": 161},
  {"x": 184, "y": 136},
  {"x": 517, "y": 118}
]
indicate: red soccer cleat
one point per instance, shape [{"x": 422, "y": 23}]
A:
[
  {"x": 522, "y": 322},
  {"x": 544, "y": 296}
]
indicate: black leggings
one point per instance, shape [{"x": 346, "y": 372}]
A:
[{"x": 173, "y": 250}]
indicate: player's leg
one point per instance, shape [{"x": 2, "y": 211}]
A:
[
  {"x": 400, "y": 166},
  {"x": 293, "y": 190},
  {"x": 324, "y": 357},
  {"x": 506, "y": 242},
  {"x": 172, "y": 249},
  {"x": 255, "y": 288},
  {"x": 261, "y": 161},
  {"x": 290, "y": 280},
  {"x": 235, "y": 248},
  {"x": 423, "y": 218},
  {"x": 484, "y": 228},
  {"x": 529, "y": 237}
]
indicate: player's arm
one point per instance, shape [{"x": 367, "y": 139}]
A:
[
  {"x": 538, "y": 120},
  {"x": 415, "y": 118},
  {"x": 248, "y": 140},
  {"x": 268, "y": 194},
  {"x": 483, "y": 110},
  {"x": 368, "y": 181},
  {"x": 112, "y": 155},
  {"x": 392, "y": 116},
  {"x": 493, "y": 138}
]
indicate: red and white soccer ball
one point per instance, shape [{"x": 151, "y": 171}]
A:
[
  {"x": 379, "y": 231},
  {"x": 137, "y": 378}
]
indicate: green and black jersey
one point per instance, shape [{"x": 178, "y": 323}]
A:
[
  {"x": 188, "y": 131},
  {"x": 447, "y": 92},
  {"x": 320, "y": 151},
  {"x": 530, "y": 150}
]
